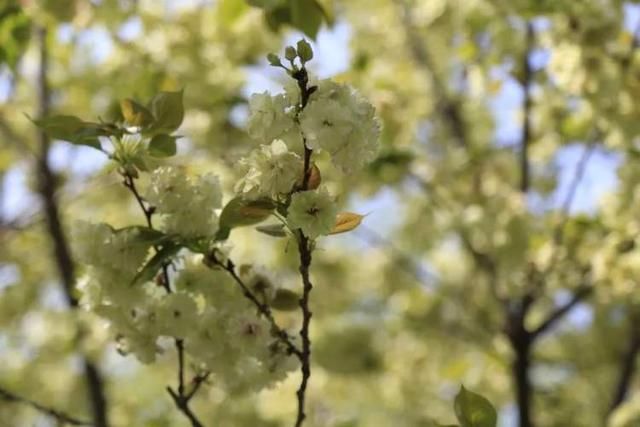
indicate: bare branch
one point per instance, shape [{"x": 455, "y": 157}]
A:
[
  {"x": 578, "y": 296},
  {"x": 61, "y": 252},
  {"x": 627, "y": 365},
  {"x": 263, "y": 308},
  {"x": 54, "y": 413}
]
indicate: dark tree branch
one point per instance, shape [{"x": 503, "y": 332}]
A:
[
  {"x": 182, "y": 403},
  {"x": 527, "y": 78},
  {"x": 627, "y": 365},
  {"x": 60, "y": 416},
  {"x": 305, "y": 250},
  {"x": 550, "y": 321},
  {"x": 61, "y": 252},
  {"x": 520, "y": 338}
]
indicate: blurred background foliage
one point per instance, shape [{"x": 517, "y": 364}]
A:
[{"x": 500, "y": 250}]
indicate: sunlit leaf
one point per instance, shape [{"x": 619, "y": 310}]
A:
[
  {"x": 346, "y": 221},
  {"x": 135, "y": 114},
  {"x": 240, "y": 212},
  {"x": 168, "y": 111},
  {"x": 473, "y": 410}
]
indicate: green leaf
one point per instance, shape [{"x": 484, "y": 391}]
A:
[
  {"x": 168, "y": 110},
  {"x": 240, "y": 212},
  {"x": 285, "y": 300},
  {"x": 304, "y": 51},
  {"x": 277, "y": 17},
  {"x": 162, "y": 145},
  {"x": 273, "y": 230},
  {"x": 146, "y": 235},
  {"x": 473, "y": 410},
  {"x": 15, "y": 29},
  {"x": 306, "y": 15},
  {"x": 151, "y": 268},
  {"x": 135, "y": 114},
  {"x": 74, "y": 130}
]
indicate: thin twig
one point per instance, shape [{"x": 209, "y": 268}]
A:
[
  {"x": 180, "y": 398},
  {"x": 305, "y": 264},
  {"x": 54, "y": 413},
  {"x": 305, "y": 248},
  {"x": 182, "y": 403},
  {"x": 263, "y": 308},
  {"x": 578, "y": 296}
]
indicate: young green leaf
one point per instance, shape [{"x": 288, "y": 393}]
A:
[
  {"x": 162, "y": 145},
  {"x": 307, "y": 16},
  {"x": 473, "y": 410},
  {"x": 168, "y": 110},
  {"x": 273, "y": 230},
  {"x": 135, "y": 114},
  {"x": 75, "y": 130},
  {"x": 346, "y": 221},
  {"x": 151, "y": 268},
  {"x": 146, "y": 234},
  {"x": 240, "y": 212}
]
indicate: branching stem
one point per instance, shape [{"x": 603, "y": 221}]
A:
[{"x": 181, "y": 398}]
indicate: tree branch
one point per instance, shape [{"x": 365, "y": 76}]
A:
[
  {"x": 61, "y": 252},
  {"x": 305, "y": 264},
  {"x": 54, "y": 413},
  {"x": 263, "y": 308},
  {"x": 627, "y": 366},
  {"x": 520, "y": 338},
  {"x": 527, "y": 77},
  {"x": 579, "y": 294}
]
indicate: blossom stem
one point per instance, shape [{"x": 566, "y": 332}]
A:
[
  {"x": 305, "y": 250},
  {"x": 180, "y": 398},
  {"x": 263, "y": 308},
  {"x": 305, "y": 264}
]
